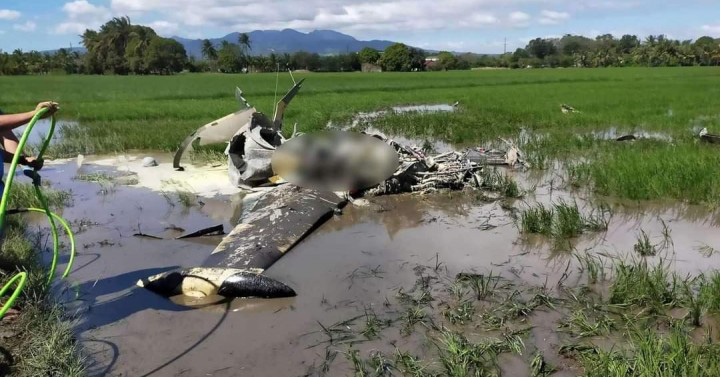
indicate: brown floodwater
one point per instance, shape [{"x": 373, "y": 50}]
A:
[{"x": 355, "y": 262}]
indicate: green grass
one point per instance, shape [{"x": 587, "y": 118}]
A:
[
  {"x": 23, "y": 195},
  {"x": 45, "y": 345},
  {"x": 653, "y": 354},
  {"x": 562, "y": 221},
  {"x": 155, "y": 113}
]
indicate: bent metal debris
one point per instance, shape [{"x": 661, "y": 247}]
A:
[{"x": 280, "y": 213}]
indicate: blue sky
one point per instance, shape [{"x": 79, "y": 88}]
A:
[{"x": 460, "y": 25}]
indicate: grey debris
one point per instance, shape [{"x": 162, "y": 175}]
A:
[{"x": 149, "y": 162}]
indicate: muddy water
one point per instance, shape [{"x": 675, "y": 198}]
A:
[
  {"x": 41, "y": 129},
  {"x": 355, "y": 262}
]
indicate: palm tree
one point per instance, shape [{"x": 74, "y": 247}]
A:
[
  {"x": 208, "y": 50},
  {"x": 244, "y": 42}
]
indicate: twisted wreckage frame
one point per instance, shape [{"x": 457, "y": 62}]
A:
[{"x": 282, "y": 213}]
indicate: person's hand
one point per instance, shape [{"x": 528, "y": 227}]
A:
[
  {"x": 32, "y": 162},
  {"x": 51, "y": 106}
]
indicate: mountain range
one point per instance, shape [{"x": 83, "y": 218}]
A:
[{"x": 264, "y": 42}]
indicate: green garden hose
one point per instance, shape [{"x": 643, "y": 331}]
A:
[{"x": 22, "y": 276}]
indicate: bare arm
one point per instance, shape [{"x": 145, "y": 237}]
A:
[
  {"x": 9, "y": 140},
  {"x": 11, "y": 121}
]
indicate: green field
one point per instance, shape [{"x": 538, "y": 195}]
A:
[{"x": 119, "y": 113}]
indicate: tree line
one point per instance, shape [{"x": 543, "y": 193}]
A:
[{"x": 120, "y": 47}]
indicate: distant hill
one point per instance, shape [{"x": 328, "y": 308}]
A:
[
  {"x": 263, "y": 42},
  {"x": 81, "y": 50}
]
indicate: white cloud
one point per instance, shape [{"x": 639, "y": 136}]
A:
[
  {"x": 82, "y": 15},
  {"x": 519, "y": 19},
  {"x": 28, "y": 26},
  {"x": 164, "y": 28},
  {"x": 550, "y": 17},
  {"x": 342, "y": 15},
  {"x": 7, "y": 14},
  {"x": 712, "y": 29}
]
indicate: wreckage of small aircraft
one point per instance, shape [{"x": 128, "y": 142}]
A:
[{"x": 311, "y": 178}]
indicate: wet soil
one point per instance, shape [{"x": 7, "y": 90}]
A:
[{"x": 357, "y": 260}]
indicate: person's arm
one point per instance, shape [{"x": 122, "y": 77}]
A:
[{"x": 11, "y": 121}]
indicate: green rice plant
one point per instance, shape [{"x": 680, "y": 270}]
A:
[
  {"x": 593, "y": 266},
  {"x": 379, "y": 365},
  {"x": 537, "y": 219},
  {"x": 460, "y": 313},
  {"x": 653, "y": 354},
  {"x": 578, "y": 174},
  {"x": 539, "y": 367},
  {"x": 482, "y": 285},
  {"x": 580, "y": 325},
  {"x": 710, "y": 292},
  {"x": 639, "y": 284},
  {"x": 358, "y": 364},
  {"x": 410, "y": 365},
  {"x": 643, "y": 246},
  {"x": 569, "y": 222},
  {"x": 461, "y": 358},
  {"x": 694, "y": 300},
  {"x": 598, "y": 219},
  {"x": 23, "y": 195},
  {"x": 493, "y": 180},
  {"x": 373, "y": 325},
  {"x": 412, "y": 316}
]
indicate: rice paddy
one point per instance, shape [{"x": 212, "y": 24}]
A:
[
  {"x": 155, "y": 113},
  {"x": 629, "y": 315}
]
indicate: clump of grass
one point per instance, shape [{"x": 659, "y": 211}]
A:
[
  {"x": 653, "y": 354},
  {"x": 460, "y": 357},
  {"x": 539, "y": 367},
  {"x": 594, "y": 266},
  {"x": 187, "y": 198},
  {"x": 45, "y": 344},
  {"x": 357, "y": 363},
  {"x": 562, "y": 221},
  {"x": 208, "y": 156},
  {"x": 380, "y": 365},
  {"x": 412, "y": 316},
  {"x": 482, "y": 285},
  {"x": 410, "y": 365},
  {"x": 643, "y": 246},
  {"x": 373, "y": 325},
  {"x": 50, "y": 348},
  {"x": 460, "y": 313},
  {"x": 639, "y": 284},
  {"x": 710, "y": 292},
  {"x": 537, "y": 219},
  {"x": 493, "y": 180},
  {"x": 580, "y": 325},
  {"x": 23, "y": 195},
  {"x": 568, "y": 221}
]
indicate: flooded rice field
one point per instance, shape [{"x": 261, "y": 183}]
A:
[{"x": 370, "y": 281}]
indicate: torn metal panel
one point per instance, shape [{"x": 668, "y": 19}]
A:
[
  {"x": 283, "y": 104},
  {"x": 216, "y": 132},
  {"x": 213, "y": 230},
  {"x": 281, "y": 219},
  {"x": 708, "y": 137},
  {"x": 250, "y": 152}
]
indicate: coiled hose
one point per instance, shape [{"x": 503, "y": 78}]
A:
[{"x": 21, "y": 278}]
